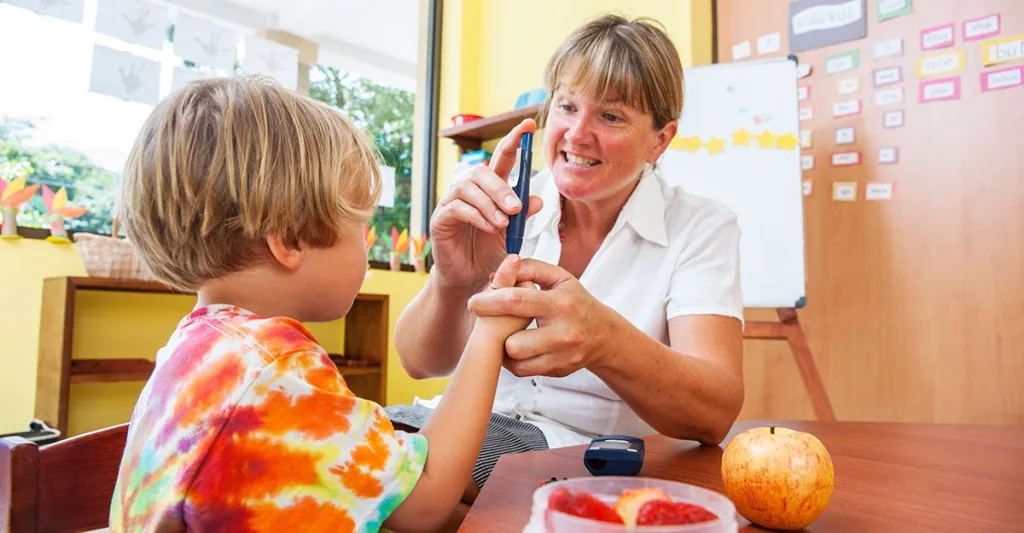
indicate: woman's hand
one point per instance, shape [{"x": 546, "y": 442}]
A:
[
  {"x": 572, "y": 326},
  {"x": 468, "y": 225}
]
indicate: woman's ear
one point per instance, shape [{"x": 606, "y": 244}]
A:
[
  {"x": 662, "y": 141},
  {"x": 286, "y": 250}
]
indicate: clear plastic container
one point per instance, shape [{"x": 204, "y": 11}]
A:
[{"x": 609, "y": 488}]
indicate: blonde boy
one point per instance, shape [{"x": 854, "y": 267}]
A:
[{"x": 254, "y": 197}]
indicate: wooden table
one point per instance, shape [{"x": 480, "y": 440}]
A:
[{"x": 890, "y": 477}]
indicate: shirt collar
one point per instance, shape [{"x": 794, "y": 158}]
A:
[{"x": 644, "y": 211}]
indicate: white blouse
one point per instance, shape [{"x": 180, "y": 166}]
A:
[{"x": 669, "y": 253}]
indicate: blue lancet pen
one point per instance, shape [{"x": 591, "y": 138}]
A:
[{"x": 517, "y": 222}]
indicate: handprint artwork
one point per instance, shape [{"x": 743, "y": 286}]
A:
[
  {"x": 135, "y": 21},
  {"x": 130, "y": 77},
  {"x": 140, "y": 23},
  {"x": 69, "y": 10},
  {"x": 125, "y": 75},
  {"x": 205, "y": 42}
]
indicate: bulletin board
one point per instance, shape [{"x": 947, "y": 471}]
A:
[{"x": 913, "y": 184}]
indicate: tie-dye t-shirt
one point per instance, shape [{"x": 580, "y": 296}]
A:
[{"x": 246, "y": 425}]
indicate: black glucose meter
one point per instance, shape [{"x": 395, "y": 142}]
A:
[{"x": 614, "y": 455}]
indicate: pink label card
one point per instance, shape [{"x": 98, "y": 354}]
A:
[
  {"x": 938, "y": 90},
  {"x": 982, "y": 27},
  {"x": 938, "y": 37},
  {"x": 994, "y": 80},
  {"x": 845, "y": 159}
]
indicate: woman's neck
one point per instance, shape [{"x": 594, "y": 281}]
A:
[{"x": 593, "y": 220}]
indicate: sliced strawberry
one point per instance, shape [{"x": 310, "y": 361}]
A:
[
  {"x": 581, "y": 504},
  {"x": 630, "y": 502},
  {"x": 666, "y": 512}
]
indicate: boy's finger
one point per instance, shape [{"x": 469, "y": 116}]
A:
[{"x": 507, "y": 271}]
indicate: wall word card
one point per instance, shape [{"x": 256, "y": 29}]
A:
[
  {"x": 888, "y": 155},
  {"x": 844, "y": 191},
  {"x": 849, "y": 85},
  {"x": 888, "y": 75},
  {"x": 845, "y": 159},
  {"x": 981, "y": 28},
  {"x": 767, "y": 44},
  {"x": 892, "y": 119},
  {"x": 806, "y": 113},
  {"x": 741, "y": 50},
  {"x": 845, "y": 135},
  {"x": 889, "y": 96},
  {"x": 888, "y": 48},
  {"x": 803, "y": 92},
  {"x": 806, "y": 162},
  {"x": 819, "y": 23},
  {"x": 805, "y": 139},
  {"x": 941, "y": 63},
  {"x": 808, "y": 187},
  {"x": 888, "y": 9},
  {"x": 847, "y": 108},
  {"x": 1003, "y": 49},
  {"x": 938, "y": 37},
  {"x": 1002, "y": 79},
  {"x": 843, "y": 62},
  {"x": 939, "y": 90},
  {"x": 878, "y": 190}
]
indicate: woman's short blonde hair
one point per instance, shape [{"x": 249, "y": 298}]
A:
[
  {"x": 221, "y": 164},
  {"x": 611, "y": 58}
]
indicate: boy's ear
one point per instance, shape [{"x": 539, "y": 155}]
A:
[{"x": 286, "y": 250}]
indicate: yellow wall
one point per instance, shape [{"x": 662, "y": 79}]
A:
[
  {"x": 494, "y": 50},
  {"x": 130, "y": 325}
]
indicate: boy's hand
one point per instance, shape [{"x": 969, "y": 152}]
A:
[{"x": 505, "y": 277}]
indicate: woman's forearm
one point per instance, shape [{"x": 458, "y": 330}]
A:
[
  {"x": 678, "y": 395},
  {"x": 432, "y": 331}
]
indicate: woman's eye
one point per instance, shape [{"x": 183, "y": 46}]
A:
[
  {"x": 611, "y": 118},
  {"x": 566, "y": 107}
]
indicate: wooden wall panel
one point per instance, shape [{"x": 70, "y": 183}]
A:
[{"x": 915, "y": 305}]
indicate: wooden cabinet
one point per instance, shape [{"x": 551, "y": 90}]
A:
[{"x": 363, "y": 361}]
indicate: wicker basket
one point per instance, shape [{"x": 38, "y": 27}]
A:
[{"x": 111, "y": 257}]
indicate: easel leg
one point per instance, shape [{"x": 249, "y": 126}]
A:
[{"x": 805, "y": 362}]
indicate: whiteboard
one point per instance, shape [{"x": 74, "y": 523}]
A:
[{"x": 761, "y": 181}]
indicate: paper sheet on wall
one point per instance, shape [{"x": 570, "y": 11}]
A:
[
  {"x": 182, "y": 76},
  {"x": 819, "y": 23},
  {"x": 272, "y": 59},
  {"x": 124, "y": 75},
  {"x": 205, "y": 42},
  {"x": 387, "y": 196},
  {"x": 135, "y": 21},
  {"x": 69, "y": 10}
]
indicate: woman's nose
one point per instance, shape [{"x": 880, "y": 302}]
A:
[{"x": 578, "y": 131}]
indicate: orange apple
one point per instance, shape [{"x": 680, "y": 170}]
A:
[{"x": 778, "y": 478}]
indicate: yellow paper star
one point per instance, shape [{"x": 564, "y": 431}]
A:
[
  {"x": 676, "y": 144},
  {"x": 788, "y": 141},
  {"x": 741, "y": 138},
  {"x": 766, "y": 140},
  {"x": 691, "y": 144},
  {"x": 715, "y": 145}
]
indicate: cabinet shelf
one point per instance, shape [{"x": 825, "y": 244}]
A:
[
  {"x": 471, "y": 135},
  {"x": 366, "y": 339}
]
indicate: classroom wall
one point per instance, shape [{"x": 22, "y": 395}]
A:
[{"x": 131, "y": 325}]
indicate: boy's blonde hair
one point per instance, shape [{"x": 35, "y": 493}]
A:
[
  {"x": 611, "y": 58},
  {"x": 221, "y": 164}
]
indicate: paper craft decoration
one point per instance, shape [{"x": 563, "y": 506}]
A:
[
  {"x": 387, "y": 196},
  {"x": 58, "y": 211},
  {"x": 398, "y": 244},
  {"x": 272, "y": 59},
  {"x": 418, "y": 252},
  {"x": 890, "y": 9},
  {"x": 939, "y": 90},
  {"x": 888, "y": 76},
  {"x": 843, "y": 62},
  {"x": 1002, "y": 49},
  {"x": 13, "y": 194},
  {"x": 847, "y": 108},
  {"x": 888, "y": 48},
  {"x": 892, "y": 119},
  {"x": 845, "y": 159},
  {"x": 134, "y": 21},
  {"x": 767, "y": 44},
  {"x": 889, "y": 96},
  {"x": 819, "y": 23},
  {"x": 981, "y": 27},
  {"x": 937, "y": 37},
  {"x": 1002, "y": 79},
  {"x": 205, "y": 42},
  {"x": 124, "y": 75},
  {"x": 941, "y": 63},
  {"x": 807, "y": 162},
  {"x": 69, "y": 10},
  {"x": 878, "y": 190},
  {"x": 845, "y": 135},
  {"x": 741, "y": 50},
  {"x": 844, "y": 191},
  {"x": 808, "y": 187},
  {"x": 181, "y": 76},
  {"x": 760, "y": 179},
  {"x": 849, "y": 85},
  {"x": 369, "y": 235},
  {"x": 888, "y": 155}
]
